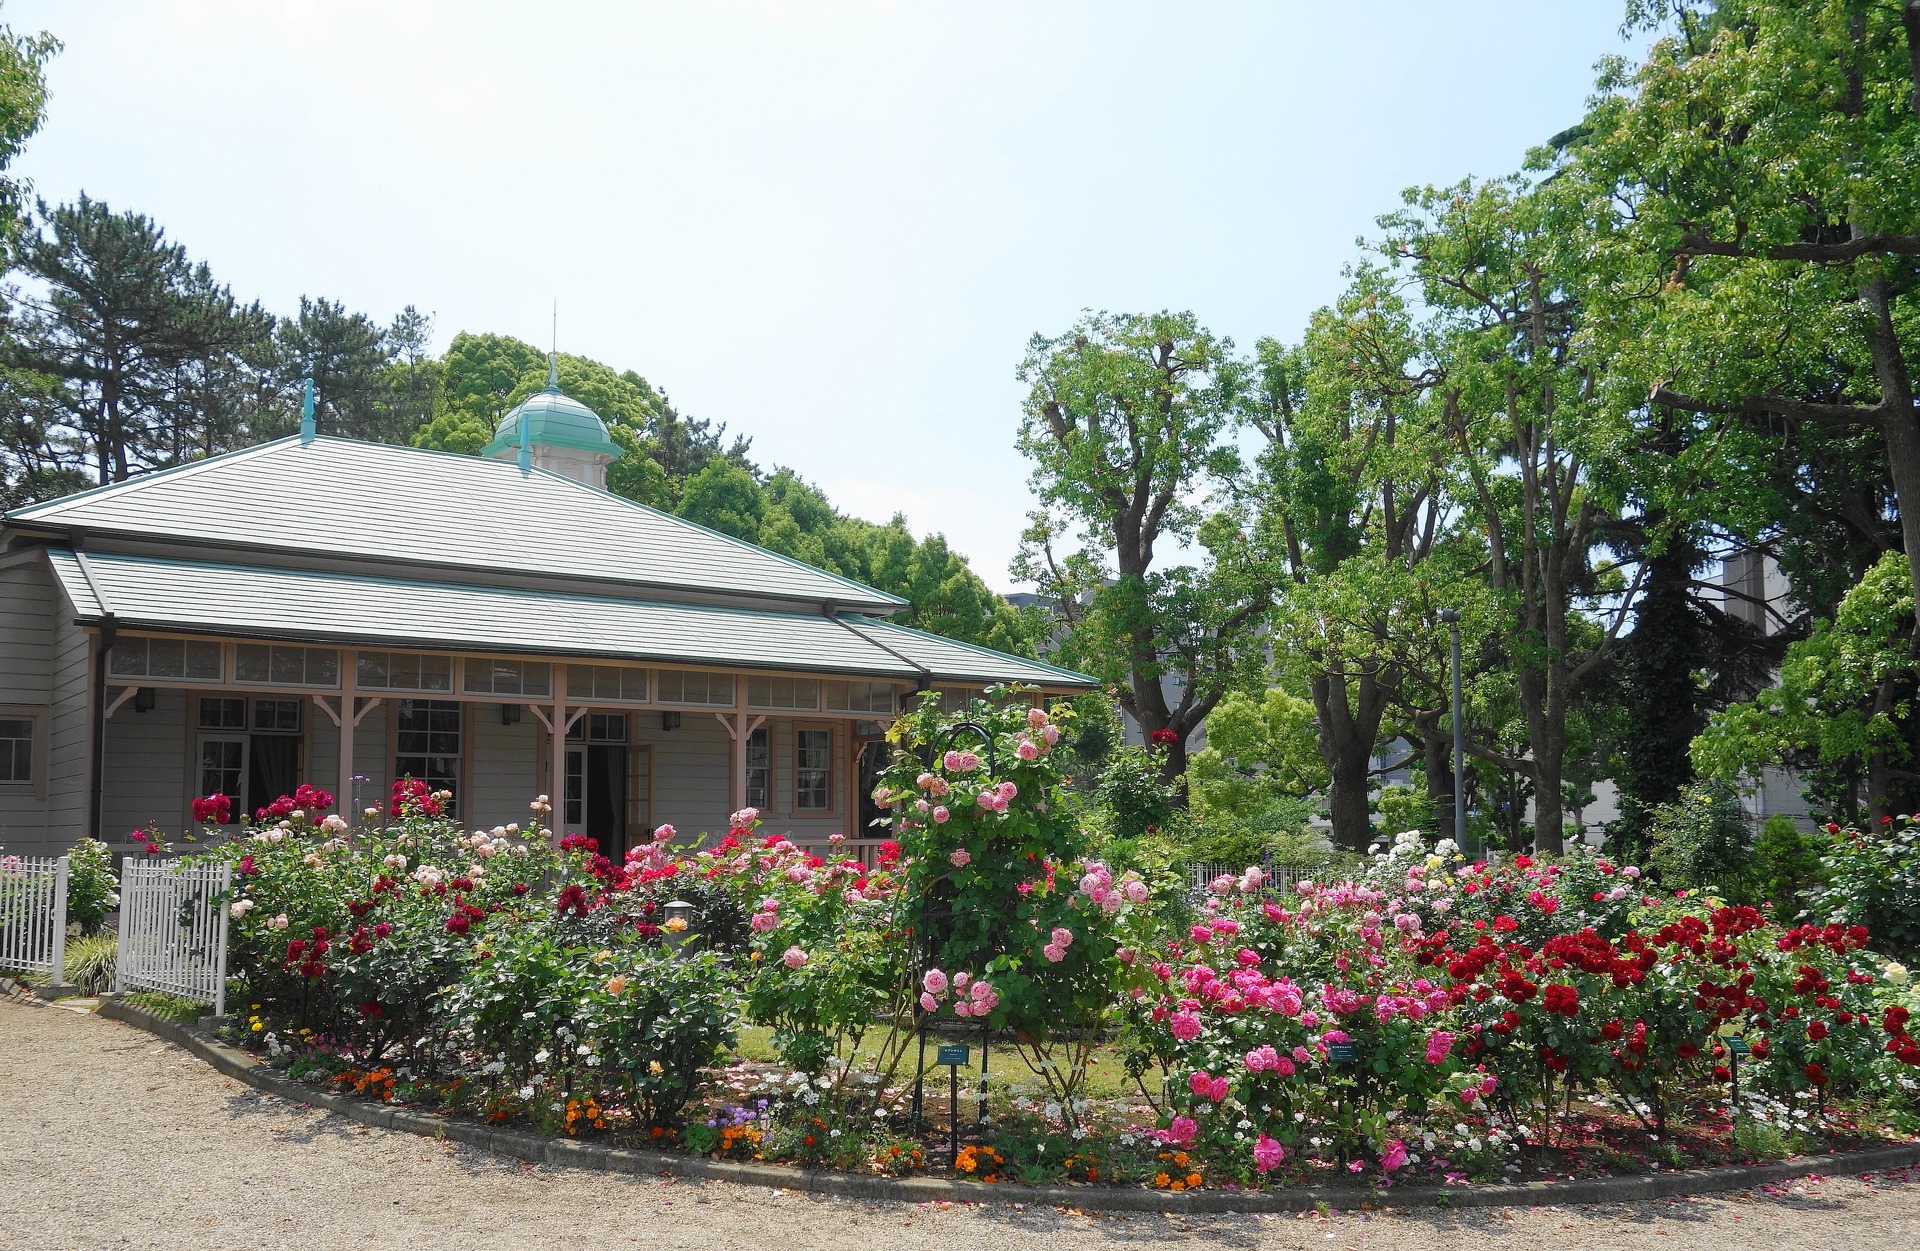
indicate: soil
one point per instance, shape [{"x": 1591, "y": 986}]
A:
[{"x": 111, "y": 1138}]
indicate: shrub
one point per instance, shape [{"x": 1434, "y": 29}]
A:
[
  {"x": 1703, "y": 840},
  {"x": 1786, "y": 866},
  {"x": 93, "y": 889},
  {"x": 90, "y": 962},
  {"x": 1873, "y": 880}
]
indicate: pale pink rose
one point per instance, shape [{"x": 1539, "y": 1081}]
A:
[
  {"x": 1051, "y": 734},
  {"x": 764, "y": 921},
  {"x": 960, "y": 980},
  {"x": 1053, "y": 953},
  {"x": 1126, "y": 955},
  {"x": 928, "y": 1002},
  {"x": 962, "y": 1008},
  {"x": 794, "y": 957},
  {"x": 934, "y": 981},
  {"x": 1036, "y": 717},
  {"x": 1062, "y": 936},
  {"x": 940, "y": 815},
  {"x": 1027, "y": 750},
  {"x": 925, "y": 781},
  {"x": 663, "y": 834},
  {"x": 921, "y": 805},
  {"x": 980, "y": 992},
  {"x": 1008, "y": 791},
  {"x": 1137, "y": 891},
  {"x": 959, "y": 857}
]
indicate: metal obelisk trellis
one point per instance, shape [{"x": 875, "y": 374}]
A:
[
  {"x": 33, "y": 915},
  {"x": 173, "y": 930}
]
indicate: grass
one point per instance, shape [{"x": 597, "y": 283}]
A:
[{"x": 166, "y": 1007}]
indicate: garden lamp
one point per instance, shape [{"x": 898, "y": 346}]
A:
[{"x": 679, "y": 922}]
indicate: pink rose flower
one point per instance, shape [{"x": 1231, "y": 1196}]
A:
[
  {"x": 1396, "y": 1156},
  {"x": 764, "y": 921},
  {"x": 928, "y": 1002},
  {"x": 959, "y": 857},
  {"x": 1054, "y": 953},
  {"x": 1062, "y": 936},
  {"x": 1181, "y": 1131},
  {"x": 1027, "y": 750},
  {"x": 935, "y": 981},
  {"x": 1185, "y": 1026},
  {"x": 794, "y": 957},
  {"x": 940, "y": 815},
  {"x": 1267, "y": 1154},
  {"x": 1036, "y": 717}
]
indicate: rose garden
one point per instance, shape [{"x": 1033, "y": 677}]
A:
[{"x": 1409, "y": 1015}]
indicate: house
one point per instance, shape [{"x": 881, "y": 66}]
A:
[{"x": 343, "y": 613}]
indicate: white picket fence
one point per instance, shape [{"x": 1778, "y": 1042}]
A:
[
  {"x": 173, "y": 930},
  {"x": 1280, "y": 879},
  {"x": 33, "y": 915}
]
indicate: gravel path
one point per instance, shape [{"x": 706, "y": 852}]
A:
[{"x": 110, "y": 1138}]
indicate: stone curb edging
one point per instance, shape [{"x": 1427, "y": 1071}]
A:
[{"x": 540, "y": 1149}]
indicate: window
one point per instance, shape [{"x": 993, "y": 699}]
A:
[
  {"x": 166, "y": 658},
  {"x": 599, "y": 727},
  {"x": 427, "y": 743},
  {"x": 759, "y": 762},
  {"x": 860, "y": 697},
  {"x": 771, "y": 692},
  {"x": 607, "y": 682},
  {"x": 404, "y": 671},
  {"x": 281, "y": 665},
  {"x": 223, "y": 769},
  {"x": 16, "y": 749},
  {"x": 222, "y": 714},
  {"x": 812, "y": 770},
  {"x": 679, "y": 686},
  {"x": 282, "y": 715},
  {"x": 509, "y": 677}
]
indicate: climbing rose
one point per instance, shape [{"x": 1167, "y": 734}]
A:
[
  {"x": 935, "y": 981},
  {"x": 959, "y": 857},
  {"x": 794, "y": 957}
]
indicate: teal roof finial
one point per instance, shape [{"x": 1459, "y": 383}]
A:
[
  {"x": 309, "y": 429},
  {"x": 553, "y": 371}
]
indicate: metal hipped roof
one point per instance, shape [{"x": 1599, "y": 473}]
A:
[
  {"x": 293, "y": 604},
  {"x": 439, "y": 509}
]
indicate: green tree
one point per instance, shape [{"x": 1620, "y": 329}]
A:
[
  {"x": 1127, "y": 422},
  {"x": 119, "y": 319},
  {"x": 1844, "y": 705},
  {"x": 1758, "y": 165}
]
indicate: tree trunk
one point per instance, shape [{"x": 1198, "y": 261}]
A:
[
  {"x": 1436, "y": 750},
  {"x": 1348, "y": 724},
  {"x": 1899, "y": 424}
]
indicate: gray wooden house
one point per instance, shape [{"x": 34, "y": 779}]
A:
[{"x": 343, "y": 613}]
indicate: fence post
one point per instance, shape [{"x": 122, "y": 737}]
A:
[
  {"x": 129, "y": 903},
  {"x": 224, "y": 878},
  {"x": 57, "y": 977}
]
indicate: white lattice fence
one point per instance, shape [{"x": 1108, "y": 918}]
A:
[
  {"x": 33, "y": 915},
  {"x": 1280, "y": 879},
  {"x": 173, "y": 930}
]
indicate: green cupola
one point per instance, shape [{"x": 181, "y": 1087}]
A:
[{"x": 552, "y": 430}]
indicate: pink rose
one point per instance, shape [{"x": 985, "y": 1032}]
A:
[
  {"x": 1036, "y": 717},
  {"x": 1262, "y": 1058},
  {"x": 1062, "y": 936},
  {"x": 1054, "y": 953},
  {"x": 794, "y": 957},
  {"x": 1181, "y": 1131},
  {"x": 959, "y": 857},
  {"x": 928, "y": 1002},
  {"x": 1267, "y": 1154},
  {"x": 1137, "y": 891},
  {"x": 1027, "y": 750},
  {"x": 935, "y": 981},
  {"x": 1396, "y": 1156},
  {"x": 1185, "y": 1026},
  {"x": 764, "y": 921},
  {"x": 940, "y": 815},
  {"x": 962, "y": 1008}
]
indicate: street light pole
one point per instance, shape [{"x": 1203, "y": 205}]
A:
[{"x": 1452, "y": 619}]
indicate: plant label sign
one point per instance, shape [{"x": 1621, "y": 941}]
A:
[
  {"x": 1341, "y": 1053},
  {"x": 954, "y": 1053},
  {"x": 1738, "y": 1046}
]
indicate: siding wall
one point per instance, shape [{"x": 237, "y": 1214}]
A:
[
  {"x": 504, "y": 765},
  {"x": 370, "y": 758},
  {"x": 28, "y": 600},
  {"x": 70, "y": 735},
  {"x": 692, "y": 773},
  {"x": 146, "y": 766}
]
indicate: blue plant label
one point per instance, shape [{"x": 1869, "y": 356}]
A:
[
  {"x": 1738, "y": 1046},
  {"x": 1341, "y": 1053},
  {"x": 954, "y": 1053}
]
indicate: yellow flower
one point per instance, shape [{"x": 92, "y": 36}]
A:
[
  {"x": 675, "y": 925},
  {"x": 616, "y": 985},
  {"x": 653, "y": 1067},
  {"x": 601, "y": 957}
]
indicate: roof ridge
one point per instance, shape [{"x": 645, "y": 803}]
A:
[{"x": 128, "y": 485}]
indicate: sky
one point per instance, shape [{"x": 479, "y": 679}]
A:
[{"x": 833, "y": 226}]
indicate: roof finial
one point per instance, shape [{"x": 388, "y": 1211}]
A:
[
  {"x": 309, "y": 429},
  {"x": 553, "y": 371}
]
